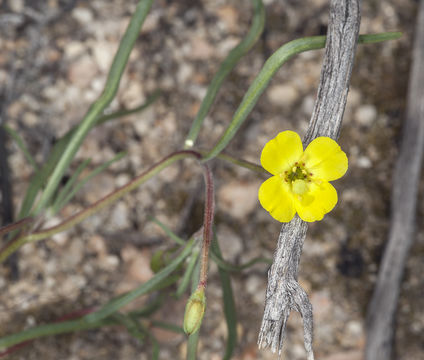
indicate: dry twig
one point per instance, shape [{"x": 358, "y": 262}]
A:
[
  {"x": 382, "y": 309},
  {"x": 284, "y": 292}
]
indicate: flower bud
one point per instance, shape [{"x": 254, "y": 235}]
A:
[{"x": 194, "y": 311}]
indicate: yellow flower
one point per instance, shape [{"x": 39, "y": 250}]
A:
[{"x": 300, "y": 182}]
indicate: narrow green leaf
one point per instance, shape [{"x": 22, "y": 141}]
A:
[
  {"x": 155, "y": 351},
  {"x": 185, "y": 282},
  {"x": 41, "y": 176},
  {"x": 227, "y": 65},
  {"x": 150, "y": 308},
  {"x": 193, "y": 339},
  {"x": 97, "y": 108},
  {"x": 271, "y": 66},
  {"x": 67, "y": 188},
  {"x": 229, "y": 304},
  {"x": 145, "y": 288},
  {"x": 168, "y": 326},
  {"x": 121, "y": 113},
  {"x": 132, "y": 325},
  {"x": 13, "y": 246},
  {"x": 67, "y": 197},
  {"x": 243, "y": 163},
  {"x": 168, "y": 231},
  {"x": 375, "y": 38},
  {"x": 50, "y": 329},
  {"x": 21, "y": 145}
]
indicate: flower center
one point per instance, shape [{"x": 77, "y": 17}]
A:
[
  {"x": 298, "y": 177},
  {"x": 299, "y": 187}
]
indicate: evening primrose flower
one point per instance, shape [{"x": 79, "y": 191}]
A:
[{"x": 301, "y": 178}]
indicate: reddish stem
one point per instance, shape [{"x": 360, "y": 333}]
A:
[{"x": 207, "y": 224}]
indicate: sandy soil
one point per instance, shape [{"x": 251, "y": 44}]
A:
[{"x": 51, "y": 70}]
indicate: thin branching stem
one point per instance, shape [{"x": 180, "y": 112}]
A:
[
  {"x": 207, "y": 224},
  {"x": 12, "y": 246}
]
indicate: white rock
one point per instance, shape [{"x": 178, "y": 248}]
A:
[
  {"x": 366, "y": 115},
  {"x": 73, "y": 49},
  {"x": 29, "y": 119},
  {"x": 231, "y": 244},
  {"x": 364, "y": 162},
  {"x": 143, "y": 124},
  {"x": 239, "y": 199},
  {"x": 133, "y": 95},
  {"x": 255, "y": 286},
  {"x": 120, "y": 218},
  {"x": 75, "y": 253},
  {"x": 184, "y": 73},
  {"x": 282, "y": 95},
  {"x": 103, "y": 54},
  {"x": 16, "y": 5},
  {"x": 355, "y": 328},
  {"x": 308, "y": 104},
  {"x": 353, "y": 98},
  {"x": 82, "y": 72},
  {"x": 201, "y": 49},
  {"x": 82, "y": 15}
]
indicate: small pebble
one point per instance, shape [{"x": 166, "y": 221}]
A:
[{"x": 366, "y": 115}]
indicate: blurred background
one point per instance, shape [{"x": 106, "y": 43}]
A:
[{"x": 54, "y": 58}]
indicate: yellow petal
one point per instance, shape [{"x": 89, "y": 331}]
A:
[
  {"x": 280, "y": 153},
  {"x": 275, "y": 197},
  {"x": 324, "y": 159},
  {"x": 318, "y": 201}
]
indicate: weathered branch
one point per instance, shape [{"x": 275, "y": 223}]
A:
[
  {"x": 382, "y": 309},
  {"x": 283, "y": 292}
]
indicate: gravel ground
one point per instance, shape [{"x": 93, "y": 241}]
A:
[{"x": 54, "y": 57}]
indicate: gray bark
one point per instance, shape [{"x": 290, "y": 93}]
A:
[
  {"x": 382, "y": 309},
  {"x": 283, "y": 291}
]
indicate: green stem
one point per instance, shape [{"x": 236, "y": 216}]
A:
[
  {"x": 12, "y": 246},
  {"x": 227, "y": 65},
  {"x": 60, "y": 203},
  {"x": 15, "y": 226},
  {"x": 193, "y": 339},
  {"x": 228, "y": 302},
  {"x": 121, "y": 113},
  {"x": 168, "y": 326},
  {"x": 188, "y": 274},
  {"x": 275, "y": 61},
  {"x": 243, "y": 163},
  {"x": 41, "y": 176},
  {"x": 21, "y": 144},
  {"x": 121, "y": 301},
  {"x": 50, "y": 329},
  {"x": 96, "y": 109}
]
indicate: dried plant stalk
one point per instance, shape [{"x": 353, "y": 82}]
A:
[
  {"x": 382, "y": 309},
  {"x": 284, "y": 293}
]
